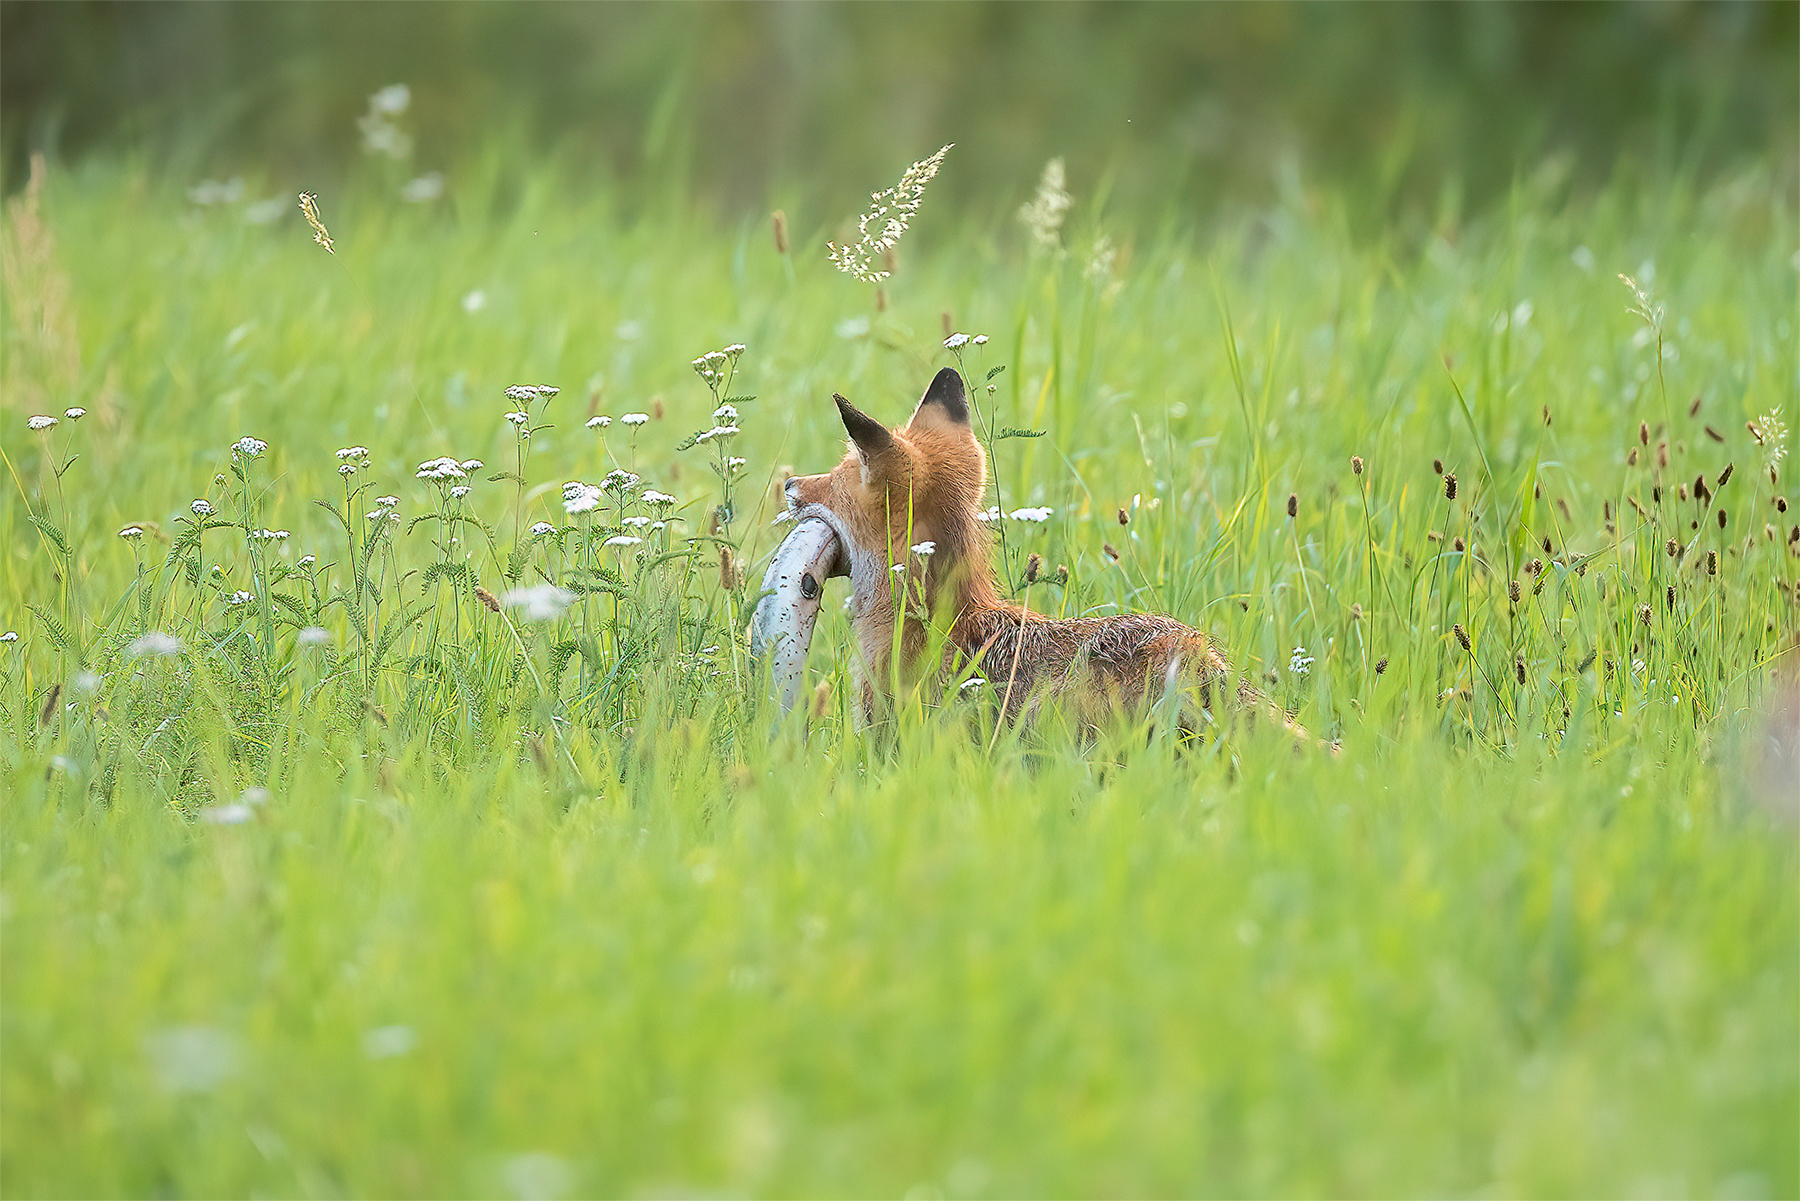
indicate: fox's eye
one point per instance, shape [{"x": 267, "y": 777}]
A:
[{"x": 809, "y": 587}]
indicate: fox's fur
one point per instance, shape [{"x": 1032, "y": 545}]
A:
[{"x": 925, "y": 482}]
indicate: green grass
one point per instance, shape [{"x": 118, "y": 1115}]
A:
[{"x": 1517, "y": 938}]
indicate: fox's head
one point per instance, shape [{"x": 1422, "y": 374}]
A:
[{"x": 899, "y": 488}]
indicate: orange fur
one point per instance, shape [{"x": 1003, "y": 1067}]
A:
[{"x": 925, "y": 481}]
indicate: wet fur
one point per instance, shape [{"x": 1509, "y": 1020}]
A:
[{"x": 926, "y": 481}]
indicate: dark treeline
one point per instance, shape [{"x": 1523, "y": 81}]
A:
[{"x": 1174, "y": 102}]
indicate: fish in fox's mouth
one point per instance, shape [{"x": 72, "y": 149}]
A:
[{"x": 793, "y": 591}]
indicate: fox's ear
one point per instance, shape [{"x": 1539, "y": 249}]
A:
[
  {"x": 944, "y": 401},
  {"x": 871, "y": 437}
]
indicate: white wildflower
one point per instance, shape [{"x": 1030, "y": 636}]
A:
[
  {"x": 155, "y": 643},
  {"x": 307, "y": 560},
  {"x": 735, "y": 463},
  {"x": 581, "y": 498},
  {"x": 387, "y": 502},
  {"x": 991, "y": 513},
  {"x": 441, "y": 469},
  {"x": 970, "y": 684},
  {"x": 926, "y": 548},
  {"x": 622, "y": 540},
  {"x": 1299, "y": 663},
  {"x": 636, "y": 523},
  {"x": 726, "y": 414},
  {"x": 74, "y": 414},
  {"x": 541, "y": 602},
  {"x": 980, "y": 339},
  {"x": 392, "y": 100},
  {"x": 1043, "y": 216},
  {"x": 599, "y": 423},
  {"x": 10, "y": 636},
  {"x": 250, "y": 448},
  {"x": 226, "y": 815},
  {"x": 634, "y": 419},
  {"x": 1038, "y": 514},
  {"x": 736, "y": 349},
  {"x": 39, "y": 422},
  {"x": 241, "y": 597},
  {"x": 898, "y": 569},
  {"x": 474, "y": 301},
  {"x": 202, "y": 508},
  {"x": 620, "y": 481},
  {"x": 424, "y": 189},
  {"x": 956, "y": 341},
  {"x": 541, "y": 528},
  {"x": 723, "y": 431},
  {"x": 890, "y": 212},
  {"x": 313, "y": 636},
  {"x": 132, "y": 531},
  {"x": 347, "y": 469},
  {"x": 460, "y": 491},
  {"x": 521, "y": 394},
  {"x": 518, "y": 418},
  {"x": 353, "y": 452},
  {"x": 652, "y": 497}
]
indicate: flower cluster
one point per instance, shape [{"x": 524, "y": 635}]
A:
[
  {"x": 249, "y": 448},
  {"x": 715, "y": 366},
  {"x": 890, "y": 212},
  {"x": 581, "y": 498},
  {"x": 445, "y": 468},
  {"x": 41, "y": 421}
]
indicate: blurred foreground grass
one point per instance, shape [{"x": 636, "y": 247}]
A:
[{"x": 1518, "y": 938}]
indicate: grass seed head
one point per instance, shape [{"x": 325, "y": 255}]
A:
[
  {"x": 1033, "y": 565},
  {"x": 1669, "y": 596},
  {"x": 309, "y": 207},
  {"x": 1644, "y": 432},
  {"x": 1519, "y": 667},
  {"x": 1694, "y": 409},
  {"x": 1111, "y": 552},
  {"x": 1356, "y": 465},
  {"x": 488, "y": 600},
  {"x": 1437, "y": 467},
  {"x": 1462, "y": 635},
  {"x": 1725, "y": 475},
  {"x": 49, "y": 709},
  {"x": 1293, "y": 505},
  {"x": 778, "y": 222},
  {"x": 1380, "y": 666},
  {"x": 1724, "y": 515},
  {"x": 1513, "y": 591},
  {"x": 1714, "y": 434},
  {"x": 1124, "y": 517},
  {"x": 1450, "y": 486}
]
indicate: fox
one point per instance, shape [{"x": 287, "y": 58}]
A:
[{"x": 921, "y": 486}]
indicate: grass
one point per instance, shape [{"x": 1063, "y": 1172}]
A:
[{"x": 537, "y": 908}]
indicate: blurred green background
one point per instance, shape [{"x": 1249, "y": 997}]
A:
[{"x": 1164, "y": 107}]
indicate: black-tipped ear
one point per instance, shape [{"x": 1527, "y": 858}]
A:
[
  {"x": 871, "y": 437},
  {"x": 947, "y": 393}
]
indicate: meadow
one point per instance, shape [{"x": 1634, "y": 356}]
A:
[{"x": 363, "y": 835}]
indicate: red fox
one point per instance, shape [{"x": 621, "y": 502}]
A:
[{"x": 897, "y": 490}]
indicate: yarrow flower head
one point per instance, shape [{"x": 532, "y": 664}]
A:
[
  {"x": 1039, "y": 514},
  {"x": 634, "y": 419},
  {"x": 926, "y": 548},
  {"x": 726, "y": 414},
  {"x": 132, "y": 531},
  {"x": 387, "y": 502},
  {"x": 651, "y": 496},
  {"x": 622, "y": 540},
  {"x": 636, "y": 523},
  {"x": 620, "y": 481},
  {"x": 879, "y": 229},
  {"x": 155, "y": 643},
  {"x": 518, "y": 418},
  {"x": 240, "y": 597},
  {"x": 460, "y": 491},
  {"x": 581, "y": 498},
  {"x": 1299, "y": 663},
  {"x": 599, "y": 423},
  {"x": 74, "y": 414},
  {"x": 541, "y": 528},
  {"x": 249, "y": 448},
  {"x": 441, "y": 469},
  {"x": 956, "y": 341},
  {"x": 41, "y": 421},
  {"x": 347, "y": 469},
  {"x": 10, "y": 636},
  {"x": 541, "y": 602},
  {"x": 202, "y": 508},
  {"x": 353, "y": 452}
]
